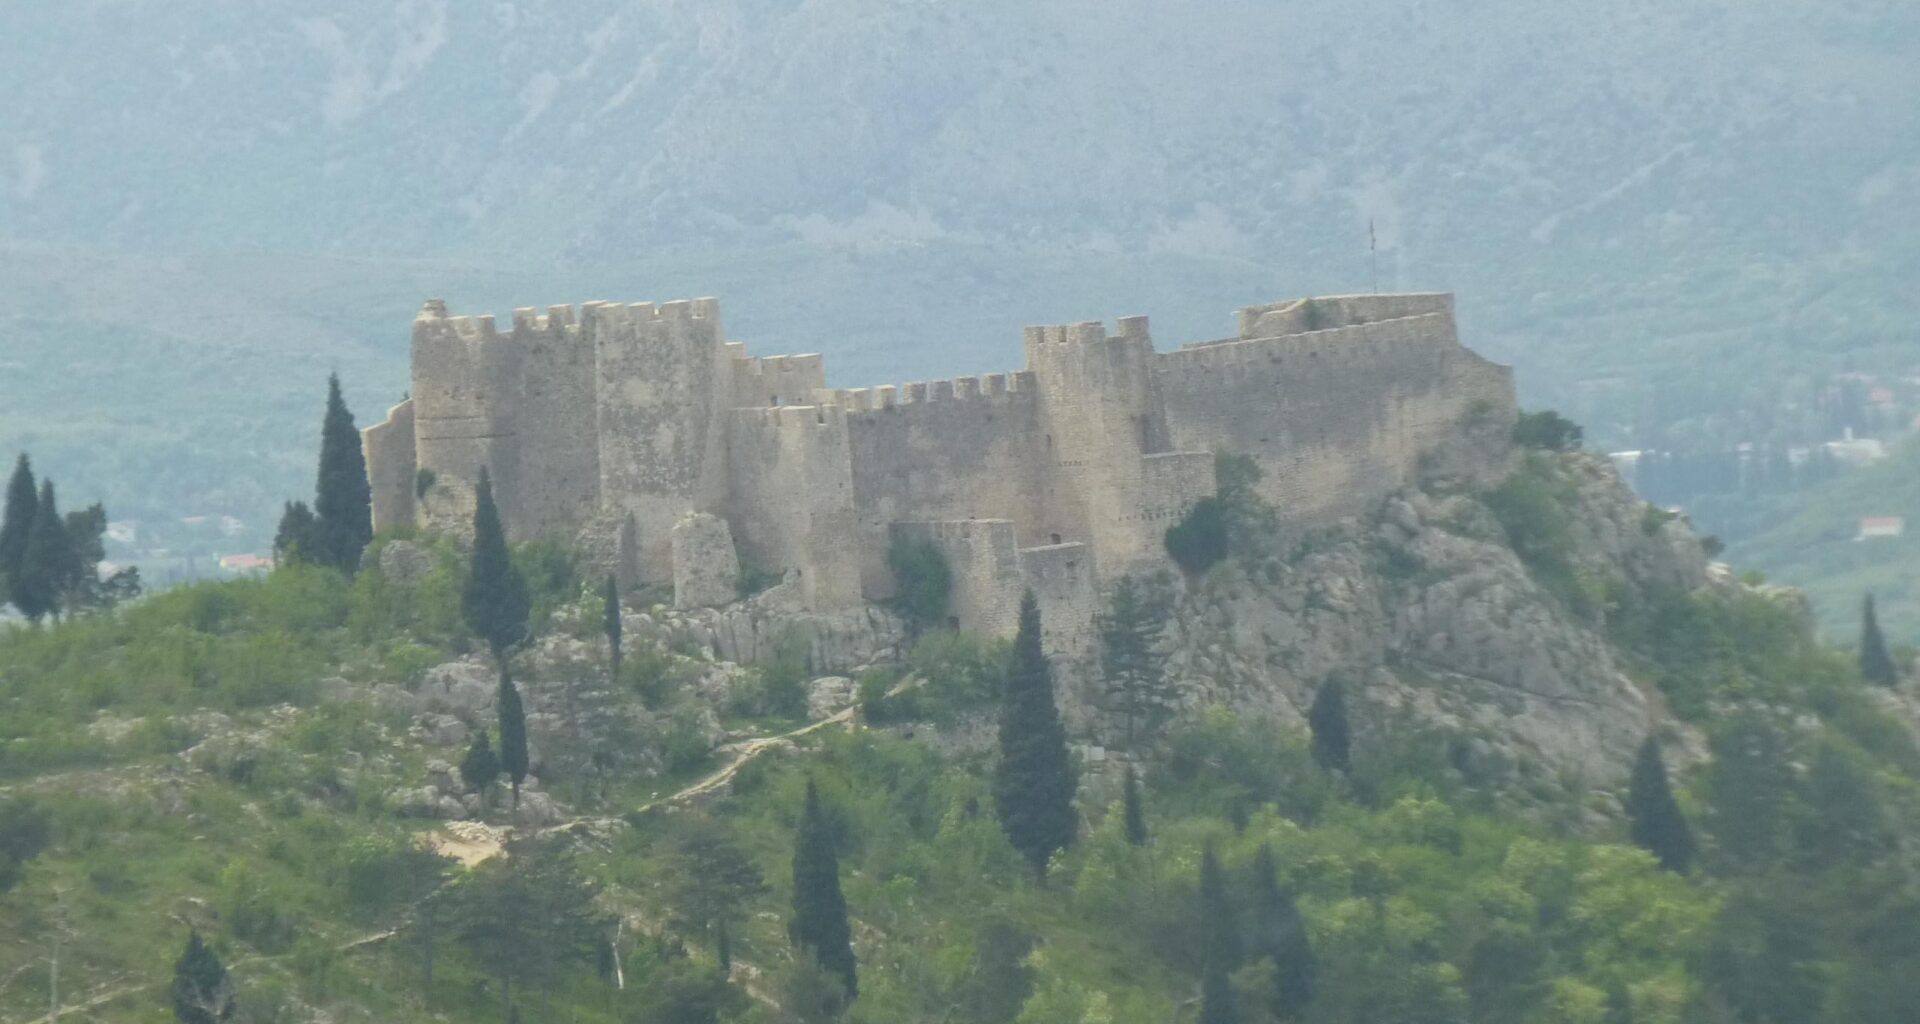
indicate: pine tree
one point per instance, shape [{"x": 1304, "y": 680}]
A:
[
  {"x": 819, "y": 923},
  {"x": 297, "y": 538},
  {"x": 343, "y": 498},
  {"x": 202, "y": 994},
  {"x": 47, "y": 568},
  {"x": 1332, "y": 737},
  {"x": 513, "y": 733},
  {"x": 481, "y": 767},
  {"x": 1136, "y": 815},
  {"x": 1033, "y": 782},
  {"x": 1655, "y": 821},
  {"x": 612, "y": 625},
  {"x": 495, "y": 600},
  {"x": 23, "y": 498},
  {"x": 1876, "y": 663},
  {"x": 1130, "y": 661},
  {"x": 1280, "y": 935}
]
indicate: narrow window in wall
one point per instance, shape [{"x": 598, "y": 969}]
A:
[{"x": 1056, "y": 538}]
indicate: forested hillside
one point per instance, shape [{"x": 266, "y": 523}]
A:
[{"x": 298, "y": 796}]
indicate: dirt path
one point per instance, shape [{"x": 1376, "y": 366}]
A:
[{"x": 476, "y": 843}]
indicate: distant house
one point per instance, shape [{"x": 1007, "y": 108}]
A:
[
  {"x": 193, "y": 520},
  {"x": 245, "y": 563},
  {"x": 1881, "y": 526}
]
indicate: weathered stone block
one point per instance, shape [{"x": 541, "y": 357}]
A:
[{"x": 706, "y": 570}]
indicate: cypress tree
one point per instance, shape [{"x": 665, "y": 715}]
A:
[
  {"x": 1219, "y": 924},
  {"x": 1655, "y": 821},
  {"x": 1327, "y": 719},
  {"x": 23, "y": 498},
  {"x": 819, "y": 923},
  {"x": 343, "y": 498},
  {"x": 494, "y": 601},
  {"x": 297, "y": 537},
  {"x": 201, "y": 992},
  {"x": 1136, "y": 815},
  {"x": 1219, "y": 943},
  {"x": 1280, "y": 934},
  {"x": 513, "y": 733},
  {"x": 1033, "y": 782},
  {"x": 1876, "y": 663},
  {"x": 47, "y": 567},
  {"x": 1217, "y": 1003},
  {"x": 612, "y": 625}
]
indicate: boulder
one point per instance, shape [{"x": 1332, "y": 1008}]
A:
[
  {"x": 404, "y": 563},
  {"x": 828, "y": 696}
]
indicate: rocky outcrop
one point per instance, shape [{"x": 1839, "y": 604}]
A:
[
  {"x": 761, "y": 628},
  {"x": 1434, "y": 622}
]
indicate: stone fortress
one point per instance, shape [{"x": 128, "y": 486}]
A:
[{"x": 669, "y": 453}]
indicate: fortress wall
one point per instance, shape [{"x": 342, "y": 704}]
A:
[
  {"x": 987, "y": 578},
  {"x": 1102, "y": 414},
  {"x": 391, "y": 466},
  {"x": 942, "y": 450},
  {"x": 1336, "y": 418},
  {"x": 775, "y": 380},
  {"x": 1298, "y": 316},
  {"x": 1061, "y": 577},
  {"x": 558, "y": 483},
  {"x": 663, "y": 380},
  {"x": 466, "y": 382},
  {"x": 790, "y": 478}
]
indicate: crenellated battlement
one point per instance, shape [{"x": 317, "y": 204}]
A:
[
  {"x": 1378, "y": 342},
  {"x": 1055, "y": 477}
]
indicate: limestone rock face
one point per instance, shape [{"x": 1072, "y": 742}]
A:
[
  {"x": 1435, "y": 624},
  {"x": 754, "y": 631},
  {"x": 706, "y": 569}
]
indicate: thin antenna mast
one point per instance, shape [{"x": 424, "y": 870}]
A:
[{"x": 1373, "y": 255}]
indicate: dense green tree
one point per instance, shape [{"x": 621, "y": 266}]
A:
[
  {"x": 1749, "y": 785},
  {"x": 48, "y": 567},
  {"x": 1220, "y": 945},
  {"x": 494, "y": 601},
  {"x": 1842, "y": 822},
  {"x": 610, "y": 623},
  {"x": 710, "y": 877},
  {"x": 480, "y": 768},
  {"x": 1547, "y": 430},
  {"x": 25, "y": 830},
  {"x": 1217, "y": 1002},
  {"x": 1131, "y": 807},
  {"x": 1131, "y": 661},
  {"x": 528, "y": 917},
  {"x": 1332, "y": 734},
  {"x": 23, "y": 499},
  {"x": 297, "y": 537},
  {"x": 1654, "y": 819},
  {"x": 1876, "y": 662},
  {"x": 202, "y": 993},
  {"x": 1199, "y": 540},
  {"x": 819, "y": 925},
  {"x": 1033, "y": 782},
  {"x": 343, "y": 497},
  {"x": 513, "y": 732},
  {"x": 922, "y": 581},
  {"x": 1280, "y": 935}
]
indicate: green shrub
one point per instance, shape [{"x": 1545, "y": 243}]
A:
[
  {"x": 922, "y": 580},
  {"x": 1199, "y": 540},
  {"x": 1547, "y": 430},
  {"x": 1532, "y": 506},
  {"x": 25, "y": 830}
]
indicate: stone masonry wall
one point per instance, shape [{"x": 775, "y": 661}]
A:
[
  {"x": 987, "y": 577},
  {"x": 1336, "y": 418},
  {"x": 792, "y": 507},
  {"x": 391, "y": 466},
  {"x": 945, "y": 450}
]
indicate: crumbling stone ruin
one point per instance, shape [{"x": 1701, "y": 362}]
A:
[{"x": 614, "y": 424}]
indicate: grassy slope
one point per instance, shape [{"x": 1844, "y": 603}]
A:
[{"x": 1815, "y": 549}]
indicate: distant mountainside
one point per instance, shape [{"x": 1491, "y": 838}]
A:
[{"x": 1629, "y": 198}]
